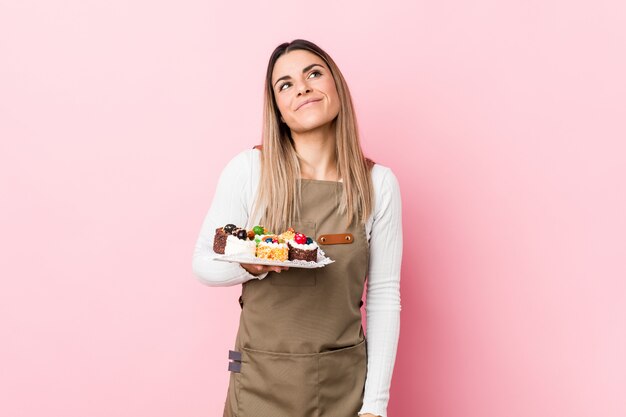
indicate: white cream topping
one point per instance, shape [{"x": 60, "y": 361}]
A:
[
  {"x": 310, "y": 246},
  {"x": 234, "y": 245},
  {"x": 271, "y": 244}
]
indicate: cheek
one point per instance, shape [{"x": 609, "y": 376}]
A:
[
  {"x": 282, "y": 104},
  {"x": 332, "y": 92},
  {"x": 336, "y": 102}
]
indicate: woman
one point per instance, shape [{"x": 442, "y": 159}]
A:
[{"x": 300, "y": 349}]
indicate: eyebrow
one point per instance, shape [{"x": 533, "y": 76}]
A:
[{"x": 305, "y": 69}]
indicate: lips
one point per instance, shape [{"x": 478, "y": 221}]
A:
[{"x": 311, "y": 100}]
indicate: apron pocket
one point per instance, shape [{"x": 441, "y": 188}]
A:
[
  {"x": 278, "y": 384},
  {"x": 342, "y": 381}
]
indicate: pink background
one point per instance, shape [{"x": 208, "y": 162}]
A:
[{"x": 504, "y": 122}]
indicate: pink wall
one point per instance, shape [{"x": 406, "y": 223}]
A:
[{"x": 504, "y": 122}]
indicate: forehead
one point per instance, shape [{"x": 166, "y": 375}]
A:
[{"x": 293, "y": 62}]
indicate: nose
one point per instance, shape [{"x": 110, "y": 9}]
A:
[{"x": 303, "y": 88}]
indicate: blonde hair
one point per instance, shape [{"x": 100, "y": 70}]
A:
[{"x": 278, "y": 197}]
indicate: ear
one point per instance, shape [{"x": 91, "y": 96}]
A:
[{"x": 282, "y": 120}]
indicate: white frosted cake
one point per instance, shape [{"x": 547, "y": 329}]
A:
[{"x": 236, "y": 246}]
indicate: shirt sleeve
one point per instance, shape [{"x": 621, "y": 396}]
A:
[
  {"x": 383, "y": 293},
  {"x": 235, "y": 192}
]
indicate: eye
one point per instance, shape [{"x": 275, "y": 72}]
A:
[
  {"x": 316, "y": 73},
  {"x": 282, "y": 86}
]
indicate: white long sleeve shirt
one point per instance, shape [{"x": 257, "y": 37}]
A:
[{"x": 233, "y": 202}]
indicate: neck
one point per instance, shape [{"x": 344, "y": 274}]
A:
[{"x": 316, "y": 151}]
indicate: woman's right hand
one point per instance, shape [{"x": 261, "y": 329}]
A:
[{"x": 256, "y": 269}]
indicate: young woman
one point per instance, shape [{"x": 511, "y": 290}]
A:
[{"x": 300, "y": 349}]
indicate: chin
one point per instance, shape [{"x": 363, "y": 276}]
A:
[{"x": 306, "y": 126}]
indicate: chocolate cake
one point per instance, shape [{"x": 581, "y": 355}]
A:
[
  {"x": 301, "y": 254},
  {"x": 221, "y": 234},
  {"x": 302, "y": 248}
]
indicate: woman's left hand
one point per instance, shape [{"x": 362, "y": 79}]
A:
[{"x": 368, "y": 415}]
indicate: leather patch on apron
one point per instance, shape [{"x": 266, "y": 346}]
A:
[{"x": 336, "y": 239}]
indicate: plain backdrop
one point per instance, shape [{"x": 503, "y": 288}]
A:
[{"x": 504, "y": 122}]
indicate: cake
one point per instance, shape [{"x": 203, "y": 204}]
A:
[
  {"x": 259, "y": 231},
  {"x": 288, "y": 235},
  {"x": 221, "y": 234},
  {"x": 235, "y": 245},
  {"x": 269, "y": 247},
  {"x": 258, "y": 242},
  {"x": 231, "y": 240},
  {"x": 302, "y": 248}
]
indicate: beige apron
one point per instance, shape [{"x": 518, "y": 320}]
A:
[{"x": 300, "y": 349}]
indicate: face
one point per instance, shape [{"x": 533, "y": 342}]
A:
[{"x": 305, "y": 91}]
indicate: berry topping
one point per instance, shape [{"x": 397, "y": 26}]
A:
[
  {"x": 242, "y": 234},
  {"x": 300, "y": 238},
  {"x": 268, "y": 240},
  {"x": 258, "y": 230},
  {"x": 229, "y": 228},
  {"x": 309, "y": 240}
]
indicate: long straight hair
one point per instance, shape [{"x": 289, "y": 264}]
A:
[{"x": 278, "y": 197}]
